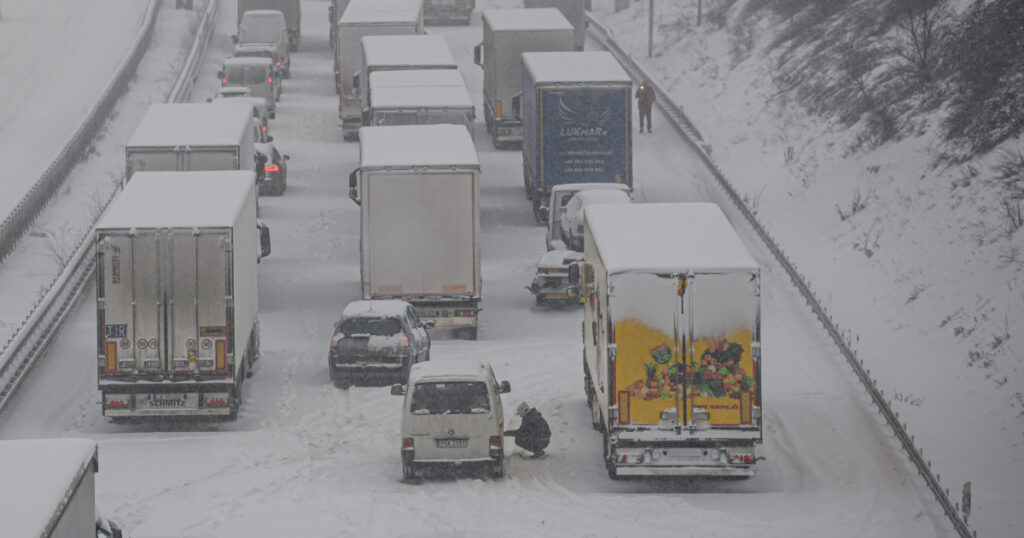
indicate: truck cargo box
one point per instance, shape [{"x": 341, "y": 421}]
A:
[
  {"x": 401, "y": 52},
  {"x": 177, "y": 294}
]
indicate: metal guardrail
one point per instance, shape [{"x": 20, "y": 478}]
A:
[
  {"x": 693, "y": 137},
  {"x": 17, "y": 223},
  {"x": 36, "y": 331}
]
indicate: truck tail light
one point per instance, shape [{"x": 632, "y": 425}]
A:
[
  {"x": 270, "y": 80},
  {"x": 741, "y": 458},
  {"x": 408, "y": 449},
  {"x": 117, "y": 403},
  {"x": 224, "y": 81},
  {"x": 271, "y": 168},
  {"x": 495, "y": 446}
]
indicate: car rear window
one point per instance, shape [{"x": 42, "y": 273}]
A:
[
  {"x": 371, "y": 326},
  {"x": 246, "y": 74},
  {"x": 459, "y": 398}
]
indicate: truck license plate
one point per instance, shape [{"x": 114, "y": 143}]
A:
[
  {"x": 167, "y": 400},
  {"x": 452, "y": 443}
]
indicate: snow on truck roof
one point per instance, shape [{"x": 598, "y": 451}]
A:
[
  {"x": 416, "y": 145},
  {"x": 418, "y": 78},
  {"x": 381, "y": 12},
  {"x": 548, "y": 18},
  {"x": 37, "y": 474},
  {"x": 666, "y": 238},
  {"x": 473, "y": 370},
  {"x": 180, "y": 200},
  {"x": 192, "y": 124},
  {"x": 402, "y": 50},
  {"x": 256, "y": 61},
  {"x": 375, "y": 308},
  {"x": 425, "y": 97},
  {"x": 574, "y": 66}
]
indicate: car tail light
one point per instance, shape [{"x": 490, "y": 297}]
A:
[
  {"x": 279, "y": 63},
  {"x": 271, "y": 168},
  {"x": 270, "y": 80},
  {"x": 405, "y": 341},
  {"x": 264, "y": 128},
  {"x": 495, "y": 446},
  {"x": 336, "y": 338},
  {"x": 224, "y": 81},
  {"x": 408, "y": 449}
]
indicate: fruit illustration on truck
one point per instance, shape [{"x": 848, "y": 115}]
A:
[{"x": 671, "y": 340}]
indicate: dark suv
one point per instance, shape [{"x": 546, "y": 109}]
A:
[{"x": 377, "y": 342}]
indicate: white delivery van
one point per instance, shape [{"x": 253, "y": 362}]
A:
[
  {"x": 452, "y": 415},
  {"x": 253, "y": 72}
]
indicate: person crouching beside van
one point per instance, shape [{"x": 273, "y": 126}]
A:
[{"x": 533, "y": 433}]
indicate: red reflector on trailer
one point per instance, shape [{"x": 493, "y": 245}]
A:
[{"x": 117, "y": 404}]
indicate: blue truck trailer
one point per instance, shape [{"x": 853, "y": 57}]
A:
[{"x": 577, "y": 122}]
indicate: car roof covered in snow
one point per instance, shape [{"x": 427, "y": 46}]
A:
[
  {"x": 451, "y": 369},
  {"x": 548, "y": 18},
  {"x": 666, "y": 238},
  {"x": 192, "y": 124},
  {"x": 402, "y": 50},
  {"x": 180, "y": 199},
  {"x": 425, "y": 97},
  {"x": 371, "y": 12},
  {"x": 574, "y": 66},
  {"x": 562, "y": 187},
  {"x": 588, "y": 197},
  {"x": 419, "y": 78},
  {"x": 376, "y": 308},
  {"x": 416, "y": 145},
  {"x": 38, "y": 475}
]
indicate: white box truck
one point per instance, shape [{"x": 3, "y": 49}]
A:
[
  {"x": 429, "y": 105},
  {"x": 48, "y": 488},
  {"x": 176, "y": 295},
  {"x": 400, "y": 52},
  {"x": 363, "y": 18},
  {"x": 508, "y": 33},
  {"x": 192, "y": 136},
  {"x": 575, "y": 11},
  {"x": 671, "y": 340},
  {"x": 419, "y": 188}
]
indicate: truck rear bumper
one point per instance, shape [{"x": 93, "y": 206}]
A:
[
  {"x": 656, "y": 459},
  {"x": 684, "y": 471},
  {"x": 508, "y": 132},
  {"x": 150, "y": 401}
]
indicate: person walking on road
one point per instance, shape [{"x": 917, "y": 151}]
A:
[
  {"x": 533, "y": 433},
  {"x": 645, "y": 102}
]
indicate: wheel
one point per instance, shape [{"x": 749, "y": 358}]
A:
[
  {"x": 609, "y": 465},
  {"x": 497, "y": 470},
  {"x": 341, "y": 381},
  {"x": 408, "y": 471},
  {"x": 538, "y": 215},
  {"x": 280, "y": 187},
  {"x": 236, "y": 402},
  {"x": 595, "y": 412},
  {"x": 541, "y": 299}
]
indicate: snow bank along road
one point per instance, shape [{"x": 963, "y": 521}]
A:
[{"x": 307, "y": 459}]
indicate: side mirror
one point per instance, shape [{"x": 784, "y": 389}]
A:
[
  {"x": 429, "y": 324},
  {"x": 353, "y": 187},
  {"x": 264, "y": 238},
  {"x": 209, "y": 99},
  {"x": 397, "y": 390},
  {"x": 273, "y": 115},
  {"x": 517, "y": 104},
  {"x": 234, "y": 39},
  {"x": 478, "y": 54},
  {"x": 506, "y": 387},
  {"x": 270, "y": 138},
  {"x": 286, "y": 157},
  {"x": 220, "y": 74}
]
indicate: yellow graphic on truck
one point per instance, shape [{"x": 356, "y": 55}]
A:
[{"x": 653, "y": 373}]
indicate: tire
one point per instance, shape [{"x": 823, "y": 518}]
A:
[
  {"x": 540, "y": 299},
  {"x": 341, "y": 381},
  {"x": 236, "y": 401},
  {"x": 609, "y": 465},
  {"x": 408, "y": 471},
  {"x": 498, "y": 470}
]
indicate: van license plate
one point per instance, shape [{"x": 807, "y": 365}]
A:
[{"x": 452, "y": 443}]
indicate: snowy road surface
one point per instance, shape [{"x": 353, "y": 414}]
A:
[{"x": 307, "y": 459}]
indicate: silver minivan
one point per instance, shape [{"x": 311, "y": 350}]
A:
[
  {"x": 255, "y": 73},
  {"x": 452, "y": 418}
]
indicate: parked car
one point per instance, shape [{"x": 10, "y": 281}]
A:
[
  {"x": 375, "y": 340},
  {"x": 274, "y": 179},
  {"x": 572, "y": 220},
  {"x": 266, "y": 26},
  {"x": 560, "y": 196},
  {"x": 452, "y": 416},
  {"x": 552, "y": 279}
]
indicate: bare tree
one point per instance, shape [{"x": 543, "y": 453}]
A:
[{"x": 919, "y": 33}]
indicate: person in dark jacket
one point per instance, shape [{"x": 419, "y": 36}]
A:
[
  {"x": 645, "y": 102},
  {"x": 533, "y": 433}
]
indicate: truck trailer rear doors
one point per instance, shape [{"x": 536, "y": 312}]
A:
[{"x": 686, "y": 342}]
